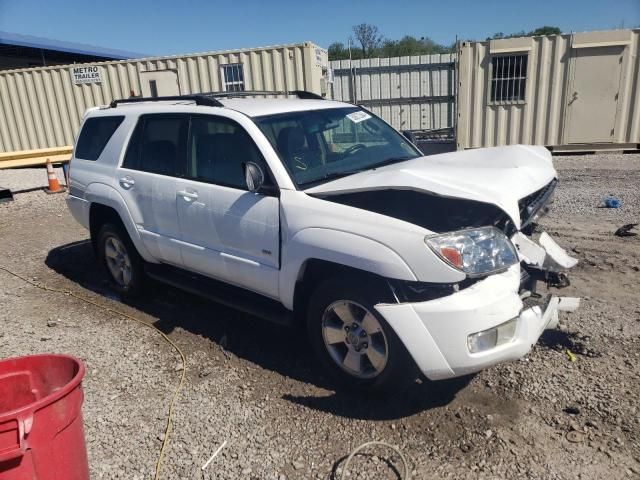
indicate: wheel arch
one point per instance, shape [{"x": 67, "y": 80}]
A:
[
  {"x": 314, "y": 270},
  {"x": 99, "y": 214},
  {"x": 335, "y": 249},
  {"x": 106, "y": 204}
]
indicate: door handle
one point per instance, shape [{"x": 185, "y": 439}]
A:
[
  {"x": 127, "y": 182},
  {"x": 189, "y": 196}
]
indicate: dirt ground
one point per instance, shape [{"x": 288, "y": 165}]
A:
[{"x": 255, "y": 385}]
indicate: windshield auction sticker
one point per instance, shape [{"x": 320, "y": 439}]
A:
[{"x": 357, "y": 117}]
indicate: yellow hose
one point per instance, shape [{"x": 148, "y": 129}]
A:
[{"x": 167, "y": 430}]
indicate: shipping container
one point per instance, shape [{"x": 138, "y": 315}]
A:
[
  {"x": 43, "y": 107},
  {"x": 573, "y": 92},
  {"x": 411, "y": 93}
]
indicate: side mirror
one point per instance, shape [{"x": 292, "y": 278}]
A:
[
  {"x": 254, "y": 176},
  {"x": 409, "y": 135}
]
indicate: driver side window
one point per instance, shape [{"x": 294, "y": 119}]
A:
[{"x": 218, "y": 147}]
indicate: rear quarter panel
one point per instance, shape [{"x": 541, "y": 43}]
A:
[{"x": 95, "y": 182}]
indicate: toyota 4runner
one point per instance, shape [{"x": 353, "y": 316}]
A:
[{"x": 316, "y": 212}]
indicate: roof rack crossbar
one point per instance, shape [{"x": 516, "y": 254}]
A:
[
  {"x": 209, "y": 99},
  {"x": 244, "y": 93},
  {"x": 198, "y": 99},
  {"x": 302, "y": 94}
]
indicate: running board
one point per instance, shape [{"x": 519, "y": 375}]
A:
[{"x": 223, "y": 293}]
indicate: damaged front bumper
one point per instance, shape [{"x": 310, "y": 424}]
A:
[
  {"x": 437, "y": 333},
  {"x": 546, "y": 254},
  {"x": 542, "y": 260}
]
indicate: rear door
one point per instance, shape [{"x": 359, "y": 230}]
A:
[
  {"x": 593, "y": 98},
  {"x": 148, "y": 180},
  {"x": 228, "y": 233}
]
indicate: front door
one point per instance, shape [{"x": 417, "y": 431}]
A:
[
  {"x": 593, "y": 96},
  {"x": 148, "y": 181},
  {"x": 228, "y": 233},
  {"x": 159, "y": 83}
]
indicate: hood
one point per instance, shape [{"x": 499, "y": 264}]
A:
[{"x": 500, "y": 176}]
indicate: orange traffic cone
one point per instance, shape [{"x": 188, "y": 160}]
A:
[{"x": 54, "y": 184}]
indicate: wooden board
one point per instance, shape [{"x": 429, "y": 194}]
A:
[{"x": 35, "y": 158}]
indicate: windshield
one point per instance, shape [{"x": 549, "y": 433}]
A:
[{"x": 320, "y": 145}]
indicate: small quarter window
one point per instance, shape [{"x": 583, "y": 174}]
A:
[
  {"x": 94, "y": 136},
  {"x": 508, "y": 78},
  {"x": 233, "y": 77}
]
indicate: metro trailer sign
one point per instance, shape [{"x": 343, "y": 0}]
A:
[{"x": 90, "y": 74}]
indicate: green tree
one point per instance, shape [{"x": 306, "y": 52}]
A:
[
  {"x": 544, "y": 30},
  {"x": 337, "y": 51},
  {"x": 409, "y": 45},
  {"x": 369, "y": 37},
  {"x": 373, "y": 44}
]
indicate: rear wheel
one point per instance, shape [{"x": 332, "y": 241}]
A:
[
  {"x": 120, "y": 259},
  {"x": 354, "y": 342}
]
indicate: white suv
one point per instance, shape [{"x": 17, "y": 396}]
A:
[{"x": 315, "y": 212}]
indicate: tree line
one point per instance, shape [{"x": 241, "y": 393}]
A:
[{"x": 368, "y": 42}]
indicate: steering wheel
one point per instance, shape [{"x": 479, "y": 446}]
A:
[{"x": 353, "y": 149}]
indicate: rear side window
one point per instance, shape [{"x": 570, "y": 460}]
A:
[
  {"x": 158, "y": 144},
  {"x": 94, "y": 136}
]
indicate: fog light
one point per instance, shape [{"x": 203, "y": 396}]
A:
[{"x": 493, "y": 337}]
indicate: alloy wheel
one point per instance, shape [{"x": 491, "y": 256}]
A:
[
  {"x": 354, "y": 339},
  {"x": 118, "y": 261}
]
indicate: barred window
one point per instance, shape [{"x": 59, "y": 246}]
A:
[
  {"x": 233, "y": 77},
  {"x": 508, "y": 78}
]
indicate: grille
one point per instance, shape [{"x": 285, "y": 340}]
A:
[{"x": 530, "y": 204}]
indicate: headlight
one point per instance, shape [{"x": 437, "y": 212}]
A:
[{"x": 477, "y": 251}]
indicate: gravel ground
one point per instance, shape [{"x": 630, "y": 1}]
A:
[
  {"x": 22, "y": 179},
  {"x": 255, "y": 385}
]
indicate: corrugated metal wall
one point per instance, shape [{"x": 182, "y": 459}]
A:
[
  {"x": 410, "y": 93},
  {"x": 541, "y": 118},
  {"x": 42, "y": 107}
]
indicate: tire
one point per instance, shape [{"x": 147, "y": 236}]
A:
[
  {"x": 114, "y": 240},
  {"x": 384, "y": 364}
]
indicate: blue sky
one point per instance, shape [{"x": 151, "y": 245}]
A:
[{"x": 164, "y": 27}]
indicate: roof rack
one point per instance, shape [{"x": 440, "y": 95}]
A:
[
  {"x": 209, "y": 99},
  {"x": 199, "y": 99},
  {"x": 302, "y": 94}
]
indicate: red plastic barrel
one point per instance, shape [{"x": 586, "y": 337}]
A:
[{"x": 41, "y": 431}]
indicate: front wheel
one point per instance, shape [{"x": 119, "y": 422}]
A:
[
  {"x": 120, "y": 259},
  {"x": 354, "y": 342}
]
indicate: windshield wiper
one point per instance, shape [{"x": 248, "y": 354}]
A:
[
  {"x": 346, "y": 173},
  {"x": 332, "y": 175},
  {"x": 388, "y": 161},
  {"x": 391, "y": 160}
]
